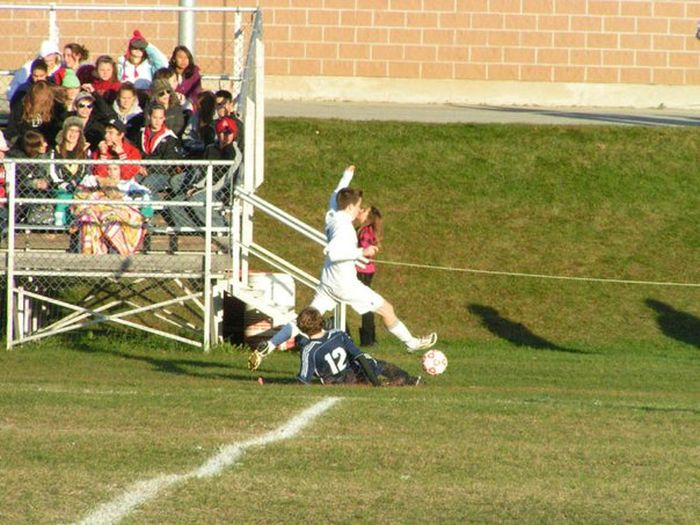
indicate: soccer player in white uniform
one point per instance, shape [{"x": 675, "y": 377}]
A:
[{"x": 339, "y": 280}]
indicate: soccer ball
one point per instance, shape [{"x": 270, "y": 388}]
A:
[{"x": 434, "y": 362}]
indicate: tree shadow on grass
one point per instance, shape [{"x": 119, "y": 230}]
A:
[
  {"x": 676, "y": 324},
  {"x": 513, "y": 332},
  {"x": 169, "y": 365}
]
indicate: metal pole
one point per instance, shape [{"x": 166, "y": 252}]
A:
[
  {"x": 238, "y": 55},
  {"x": 207, "y": 261},
  {"x": 10, "y": 264},
  {"x": 53, "y": 26},
  {"x": 259, "y": 111},
  {"x": 187, "y": 30}
]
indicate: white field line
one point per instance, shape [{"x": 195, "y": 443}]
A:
[{"x": 144, "y": 490}]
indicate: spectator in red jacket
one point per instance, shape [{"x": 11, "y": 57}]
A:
[
  {"x": 116, "y": 146},
  {"x": 104, "y": 80}
]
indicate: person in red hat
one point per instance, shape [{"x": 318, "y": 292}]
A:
[
  {"x": 224, "y": 177},
  {"x": 140, "y": 62}
]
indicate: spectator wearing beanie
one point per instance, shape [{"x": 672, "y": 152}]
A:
[
  {"x": 140, "y": 62},
  {"x": 71, "y": 87}
]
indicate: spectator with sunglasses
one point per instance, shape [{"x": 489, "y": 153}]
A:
[
  {"x": 93, "y": 120},
  {"x": 164, "y": 94}
]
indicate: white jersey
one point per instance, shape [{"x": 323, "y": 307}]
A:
[{"x": 339, "y": 271}]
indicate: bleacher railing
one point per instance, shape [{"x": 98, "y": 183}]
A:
[{"x": 107, "y": 252}]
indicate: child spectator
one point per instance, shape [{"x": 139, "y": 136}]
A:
[
  {"x": 187, "y": 75},
  {"x": 369, "y": 234},
  {"x": 140, "y": 62}
]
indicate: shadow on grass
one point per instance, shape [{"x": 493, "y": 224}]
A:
[
  {"x": 676, "y": 324},
  {"x": 515, "y": 333},
  {"x": 168, "y": 365},
  {"x": 607, "y": 117}
]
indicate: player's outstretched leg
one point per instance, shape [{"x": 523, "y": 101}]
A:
[
  {"x": 265, "y": 348},
  {"x": 399, "y": 330}
]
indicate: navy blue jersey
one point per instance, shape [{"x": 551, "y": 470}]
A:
[{"x": 328, "y": 357}]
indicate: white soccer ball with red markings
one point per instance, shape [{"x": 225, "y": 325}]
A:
[{"x": 434, "y": 362}]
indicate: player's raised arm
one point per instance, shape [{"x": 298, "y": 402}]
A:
[{"x": 344, "y": 183}]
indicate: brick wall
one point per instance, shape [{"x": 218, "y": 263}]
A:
[{"x": 580, "y": 41}]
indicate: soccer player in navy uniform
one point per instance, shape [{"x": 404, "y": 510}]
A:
[{"x": 333, "y": 358}]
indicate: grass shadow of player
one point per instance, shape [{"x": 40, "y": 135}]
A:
[
  {"x": 676, "y": 324},
  {"x": 513, "y": 332}
]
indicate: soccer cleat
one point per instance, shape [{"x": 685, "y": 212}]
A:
[
  {"x": 417, "y": 381},
  {"x": 256, "y": 356},
  {"x": 423, "y": 343},
  {"x": 254, "y": 360}
]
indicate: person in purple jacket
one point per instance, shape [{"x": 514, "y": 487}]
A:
[{"x": 189, "y": 79}]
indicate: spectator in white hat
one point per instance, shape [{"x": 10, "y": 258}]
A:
[{"x": 52, "y": 56}]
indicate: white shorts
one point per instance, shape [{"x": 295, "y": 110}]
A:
[{"x": 359, "y": 296}]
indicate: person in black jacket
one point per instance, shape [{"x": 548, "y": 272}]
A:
[
  {"x": 157, "y": 142},
  {"x": 223, "y": 178}
]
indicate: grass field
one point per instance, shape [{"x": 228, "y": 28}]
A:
[{"x": 564, "y": 402}]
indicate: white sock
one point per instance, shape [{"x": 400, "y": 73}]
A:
[
  {"x": 399, "y": 330},
  {"x": 286, "y": 332}
]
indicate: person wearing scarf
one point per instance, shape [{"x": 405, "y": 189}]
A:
[{"x": 158, "y": 143}]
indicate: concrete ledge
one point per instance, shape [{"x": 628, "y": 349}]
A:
[{"x": 494, "y": 93}]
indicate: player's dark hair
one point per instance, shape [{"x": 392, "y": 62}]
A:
[
  {"x": 310, "y": 321},
  {"x": 348, "y": 196}
]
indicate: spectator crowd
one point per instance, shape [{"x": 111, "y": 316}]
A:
[{"x": 139, "y": 106}]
